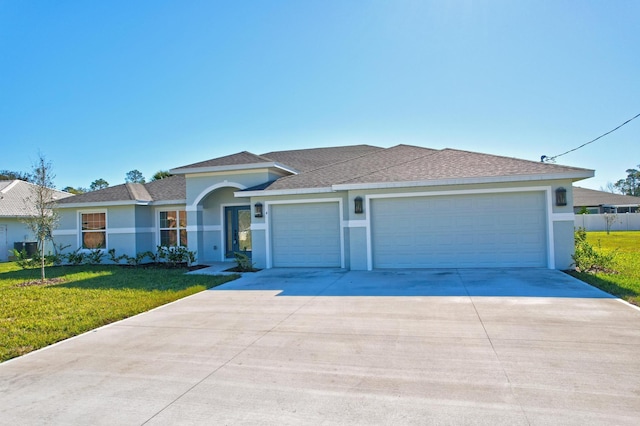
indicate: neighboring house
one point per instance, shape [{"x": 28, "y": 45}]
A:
[
  {"x": 598, "y": 202},
  {"x": 14, "y": 208},
  {"x": 357, "y": 207},
  {"x": 606, "y": 211}
]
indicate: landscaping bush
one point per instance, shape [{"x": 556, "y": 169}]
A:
[
  {"x": 170, "y": 257},
  {"x": 243, "y": 263},
  {"x": 587, "y": 259}
]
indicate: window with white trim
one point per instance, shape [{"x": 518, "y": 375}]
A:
[
  {"x": 94, "y": 230},
  {"x": 173, "y": 228}
]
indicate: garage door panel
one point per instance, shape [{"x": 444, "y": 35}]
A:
[
  {"x": 483, "y": 230},
  {"x": 305, "y": 235}
]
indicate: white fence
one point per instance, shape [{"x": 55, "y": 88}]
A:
[{"x": 598, "y": 222}]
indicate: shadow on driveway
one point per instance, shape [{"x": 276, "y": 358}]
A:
[{"x": 496, "y": 282}]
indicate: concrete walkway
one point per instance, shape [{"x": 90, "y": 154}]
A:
[{"x": 516, "y": 347}]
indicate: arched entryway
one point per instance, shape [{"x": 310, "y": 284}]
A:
[{"x": 223, "y": 224}]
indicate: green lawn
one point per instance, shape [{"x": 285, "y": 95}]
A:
[
  {"x": 625, "y": 284},
  {"x": 32, "y": 317}
]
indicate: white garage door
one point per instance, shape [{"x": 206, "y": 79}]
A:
[
  {"x": 466, "y": 231},
  {"x": 305, "y": 235}
]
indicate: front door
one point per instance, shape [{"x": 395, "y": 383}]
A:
[{"x": 237, "y": 230}]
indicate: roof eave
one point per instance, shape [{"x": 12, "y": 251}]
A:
[
  {"x": 168, "y": 202},
  {"x": 230, "y": 168},
  {"x": 275, "y": 192},
  {"x": 90, "y": 204},
  {"x": 120, "y": 203}
]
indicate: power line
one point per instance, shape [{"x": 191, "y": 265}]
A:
[{"x": 546, "y": 159}]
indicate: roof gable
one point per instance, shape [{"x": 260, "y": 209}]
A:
[
  {"x": 309, "y": 159},
  {"x": 172, "y": 188},
  {"x": 241, "y": 158}
]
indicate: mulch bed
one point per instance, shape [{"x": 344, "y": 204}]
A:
[
  {"x": 196, "y": 267},
  {"x": 236, "y": 269},
  {"x": 46, "y": 282},
  {"x": 598, "y": 270}
]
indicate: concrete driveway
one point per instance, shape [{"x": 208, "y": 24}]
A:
[{"x": 514, "y": 347}]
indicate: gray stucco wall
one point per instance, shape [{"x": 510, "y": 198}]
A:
[
  {"x": 355, "y": 225},
  {"x": 129, "y": 228},
  {"x": 16, "y": 231},
  {"x": 564, "y": 244},
  {"x": 145, "y": 239}
]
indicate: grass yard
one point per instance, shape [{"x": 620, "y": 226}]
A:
[
  {"x": 35, "y": 316},
  {"x": 625, "y": 284}
]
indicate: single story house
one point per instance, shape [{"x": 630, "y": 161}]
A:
[
  {"x": 599, "y": 202},
  {"x": 14, "y": 208},
  {"x": 358, "y": 207}
]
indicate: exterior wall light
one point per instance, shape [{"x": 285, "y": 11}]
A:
[
  {"x": 357, "y": 205},
  {"x": 561, "y": 197},
  {"x": 258, "y": 209}
]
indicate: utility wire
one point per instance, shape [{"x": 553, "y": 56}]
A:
[{"x": 546, "y": 159}]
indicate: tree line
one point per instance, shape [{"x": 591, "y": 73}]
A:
[
  {"x": 133, "y": 176},
  {"x": 631, "y": 184}
]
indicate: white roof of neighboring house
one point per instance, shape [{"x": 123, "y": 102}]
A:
[{"x": 14, "y": 195}]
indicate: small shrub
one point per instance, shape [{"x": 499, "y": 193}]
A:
[
  {"x": 76, "y": 257},
  {"x": 175, "y": 256},
  {"x": 587, "y": 259},
  {"x": 57, "y": 258},
  {"x": 137, "y": 259},
  {"x": 243, "y": 263},
  {"x": 24, "y": 260},
  {"x": 94, "y": 257},
  {"x": 154, "y": 256},
  {"x": 116, "y": 259}
]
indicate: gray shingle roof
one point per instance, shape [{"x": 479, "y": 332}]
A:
[
  {"x": 299, "y": 159},
  {"x": 352, "y": 169},
  {"x": 309, "y": 159},
  {"x": 405, "y": 163},
  {"x": 171, "y": 188},
  {"x": 359, "y": 164},
  {"x": 14, "y": 195},
  {"x": 167, "y": 189},
  {"x": 455, "y": 164},
  {"x": 240, "y": 158},
  {"x": 583, "y": 197}
]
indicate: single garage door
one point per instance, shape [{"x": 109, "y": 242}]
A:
[
  {"x": 465, "y": 231},
  {"x": 305, "y": 235}
]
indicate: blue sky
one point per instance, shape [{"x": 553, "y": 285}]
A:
[{"x": 104, "y": 87}]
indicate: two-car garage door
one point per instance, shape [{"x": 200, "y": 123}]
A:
[{"x": 460, "y": 231}]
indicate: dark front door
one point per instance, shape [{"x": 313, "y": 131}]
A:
[{"x": 237, "y": 230}]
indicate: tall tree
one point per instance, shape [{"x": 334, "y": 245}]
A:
[
  {"x": 43, "y": 218},
  {"x": 631, "y": 184},
  {"x": 75, "y": 191},
  {"x": 98, "y": 184},
  {"x": 161, "y": 174},
  {"x": 134, "y": 176}
]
